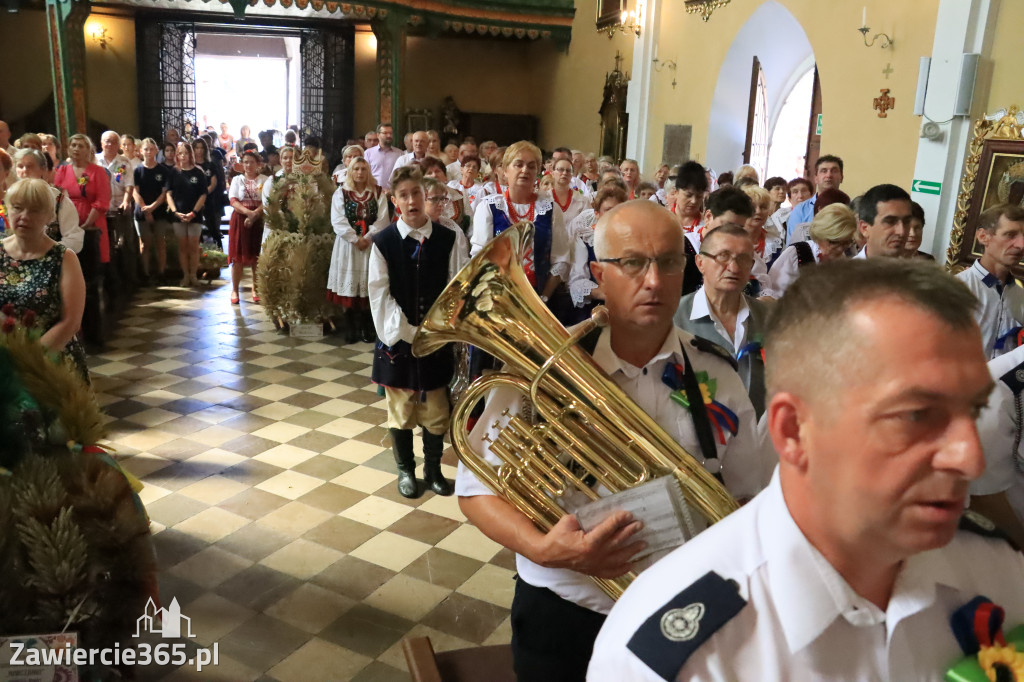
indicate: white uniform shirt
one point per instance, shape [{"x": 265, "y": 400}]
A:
[
  {"x": 391, "y": 323},
  {"x": 786, "y": 268},
  {"x": 1001, "y": 309},
  {"x": 802, "y": 621},
  {"x": 407, "y": 159},
  {"x": 483, "y": 228},
  {"x": 122, "y": 177},
  {"x": 701, "y": 308},
  {"x": 999, "y": 426},
  {"x": 742, "y": 470}
]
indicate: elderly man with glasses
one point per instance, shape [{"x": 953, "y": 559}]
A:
[
  {"x": 721, "y": 313},
  {"x": 639, "y": 249}
]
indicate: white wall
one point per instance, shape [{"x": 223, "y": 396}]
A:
[{"x": 776, "y": 38}]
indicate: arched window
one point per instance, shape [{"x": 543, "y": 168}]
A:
[{"x": 756, "y": 149}]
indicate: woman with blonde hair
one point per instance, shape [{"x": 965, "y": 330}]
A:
[
  {"x": 88, "y": 186},
  {"x": 833, "y": 234},
  {"x": 746, "y": 175},
  {"x": 186, "y": 197},
  {"x": 43, "y": 285},
  {"x": 350, "y": 152},
  {"x": 151, "y": 217},
  {"x": 359, "y": 209},
  {"x": 765, "y": 249},
  {"x": 31, "y": 163},
  {"x": 547, "y": 261}
]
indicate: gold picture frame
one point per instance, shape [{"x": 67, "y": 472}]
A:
[
  {"x": 609, "y": 13},
  {"x": 994, "y": 161}
]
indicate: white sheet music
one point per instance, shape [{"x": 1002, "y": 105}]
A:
[{"x": 659, "y": 504}]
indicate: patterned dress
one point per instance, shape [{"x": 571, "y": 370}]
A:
[
  {"x": 35, "y": 285},
  {"x": 244, "y": 241},
  {"x": 353, "y": 215}
]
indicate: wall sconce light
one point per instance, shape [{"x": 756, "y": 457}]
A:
[
  {"x": 704, "y": 7},
  {"x": 864, "y": 30},
  {"x": 668, "y": 63},
  {"x": 99, "y": 35}
]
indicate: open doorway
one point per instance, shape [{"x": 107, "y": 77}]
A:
[
  {"x": 247, "y": 80},
  {"x": 787, "y": 157}
]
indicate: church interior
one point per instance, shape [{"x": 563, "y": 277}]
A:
[{"x": 264, "y": 458}]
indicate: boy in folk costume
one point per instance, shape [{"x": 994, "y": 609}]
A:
[{"x": 411, "y": 262}]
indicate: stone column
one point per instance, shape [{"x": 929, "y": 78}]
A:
[{"x": 65, "y": 25}]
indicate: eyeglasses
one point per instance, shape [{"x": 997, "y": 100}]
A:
[
  {"x": 637, "y": 266},
  {"x": 723, "y": 258},
  {"x": 438, "y": 200}
]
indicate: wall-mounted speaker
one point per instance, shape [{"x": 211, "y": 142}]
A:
[
  {"x": 965, "y": 89},
  {"x": 922, "y": 85}
]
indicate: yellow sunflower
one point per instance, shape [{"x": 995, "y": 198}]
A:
[{"x": 1006, "y": 657}]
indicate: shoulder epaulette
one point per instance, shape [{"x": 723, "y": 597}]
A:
[
  {"x": 705, "y": 346},
  {"x": 979, "y": 524},
  {"x": 1015, "y": 379},
  {"x": 674, "y": 632}
]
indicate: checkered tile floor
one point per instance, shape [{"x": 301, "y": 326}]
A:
[{"x": 271, "y": 489}]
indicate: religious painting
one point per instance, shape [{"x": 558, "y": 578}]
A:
[
  {"x": 609, "y": 12},
  {"x": 418, "y": 119},
  {"x": 993, "y": 174}
]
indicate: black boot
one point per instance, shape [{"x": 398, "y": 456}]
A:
[
  {"x": 350, "y": 321},
  {"x": 433, "y": 448},
  {"x": 368, "y": 331},
  {"x": 401, "y": 445}
]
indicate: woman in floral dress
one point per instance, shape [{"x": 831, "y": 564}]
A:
[
  {"x": 41, "y": 282},
  {"x": 359, "y": 209}
]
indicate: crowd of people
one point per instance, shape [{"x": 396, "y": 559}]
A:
[{"x": 795, "y": 341}]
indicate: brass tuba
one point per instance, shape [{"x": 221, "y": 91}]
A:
[{"x": 586, "y": 416}]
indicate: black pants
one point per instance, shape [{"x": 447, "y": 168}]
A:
[{"x": 552, "y": 639}]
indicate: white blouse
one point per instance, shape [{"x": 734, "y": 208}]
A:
[{"x": 483, "y": 228}]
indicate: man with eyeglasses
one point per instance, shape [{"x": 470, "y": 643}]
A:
[
  {"x": 725, "y": 206},
  {"x": 721, "y": 313},
  {"x": 639, "y": 249}
]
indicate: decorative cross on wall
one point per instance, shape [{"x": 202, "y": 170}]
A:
[
  {"x": 884, "y": 103},
  {"x": 887, "y": 70}
]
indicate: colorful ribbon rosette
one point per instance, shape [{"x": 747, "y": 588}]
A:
[
  {"x": 120, "y": 173},
  {"x": 722, "y": 418},
  {"x": 754, "y": 347},
  {"x": 1017, "y": 334},
  {"x": 991, "y": 656}
]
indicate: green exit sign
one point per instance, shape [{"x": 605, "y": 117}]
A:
[
  {"x": 926, "y": 187},
  {"x": 817, "y": 128}
]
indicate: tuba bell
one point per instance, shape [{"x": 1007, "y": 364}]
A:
[{"x": 589, "y": 425}]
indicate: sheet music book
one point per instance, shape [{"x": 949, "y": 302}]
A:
[{"x": 660, "y": 505}]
